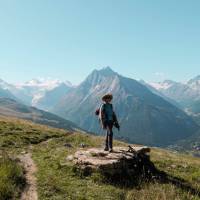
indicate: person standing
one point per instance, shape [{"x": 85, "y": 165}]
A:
[{"x": 108, "y": 119}]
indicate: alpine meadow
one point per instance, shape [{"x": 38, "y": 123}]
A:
[{"x": 99, "y": 100}]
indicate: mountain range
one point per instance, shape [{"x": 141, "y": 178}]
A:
[
  {"x": 144, "y": 117},
  {"x": 33, "y": 92},
  {"x": 157, "y": 114},
  {"x": 187, "y": 95},
  {"x": 183, "y": 93}
]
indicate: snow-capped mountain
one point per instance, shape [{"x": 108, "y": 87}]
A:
[
  {"x": 5, "y": 90},
  {"x": 187, "y": 95},
  {"x": 156, "y": 87},
  {"x": 183, "y": 93},
  {"x": 162, "y": 85},
  {"x": 52, "y": 97},
  {"x": 194, "y": 84},
  {"x": 43, "y": 84},
  {"x": 4, "y": 85},
  {"x": 32, "y": 91}
]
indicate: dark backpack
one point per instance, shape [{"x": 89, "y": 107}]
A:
[{"x": 97, "y": 112}]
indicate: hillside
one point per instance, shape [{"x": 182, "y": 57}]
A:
[
  {"x": 190, "y": 145},
  {"x": 58, "y": 179},
  {"x": 144, "y": 116},
  {"x": 12, "y": 108},
  {"x": 4, "y": 93}
]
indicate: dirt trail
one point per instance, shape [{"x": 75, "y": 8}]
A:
[{"x": 30, "y": 192}]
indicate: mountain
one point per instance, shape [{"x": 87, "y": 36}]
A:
[
  {"x": 12, "y": 108},
  {"x": 154, "y": 88},
  {"x": 4, "y": 85},
  {"x": 179, "y": 92},
  {"x": 144, "y": 117},
  {"x": 187, "y": 95},
  {"x": 194, "y": 83},
  {"x": 31, "y": 92},
  {"x": 52, "y": 97},
  {"x": 5, "y": 90},
  {"x": 6, "y": 93}
]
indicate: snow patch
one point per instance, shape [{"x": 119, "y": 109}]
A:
[
  {"x": 160, "y": 85},
  {"x": 41, "y": 83}
]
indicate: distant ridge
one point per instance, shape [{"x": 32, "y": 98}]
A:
[{"x": 12, "y": 108}]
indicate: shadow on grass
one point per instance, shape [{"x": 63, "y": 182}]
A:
[
  {"x": 179, "y": 183},
  {"x": 142, "y": 170}
]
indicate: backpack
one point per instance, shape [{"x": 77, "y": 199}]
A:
[{"x": 97, "y": 112}]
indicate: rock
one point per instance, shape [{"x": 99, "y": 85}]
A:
[
  {"x": 24, "y": 152},
  {"x": 123, "y": 163},
  {"x": 70, "y": 158},
  {"x": 96, "y": 157}
]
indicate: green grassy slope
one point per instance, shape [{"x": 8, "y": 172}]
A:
[
  {"x": 58, "y": 180},
  {"x": 12, "y": 179}
]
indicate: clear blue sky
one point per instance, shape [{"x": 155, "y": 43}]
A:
[{"x": 67, "y": 39}]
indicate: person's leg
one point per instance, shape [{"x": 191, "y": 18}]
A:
[
  {"x": 110, "y": 136},
  {"x": 107, "y": 139},
  {"x": 106, "y": 142}
]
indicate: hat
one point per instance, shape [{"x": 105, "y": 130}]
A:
[{"x": 107, "y": 96}]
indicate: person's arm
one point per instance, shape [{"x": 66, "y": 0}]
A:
[
  {"x": 115, "y": 121},
  {"x": 115, "y": 118}
]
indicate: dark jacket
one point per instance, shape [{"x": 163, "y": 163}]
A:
[{"x": 102, "y": 117}]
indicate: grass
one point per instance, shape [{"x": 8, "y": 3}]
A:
[
  {"x": 12, "y": 178},
  {"x": 57, "y": 179},
  {"x": 60, "y": 180},
  {"x": 18, "y": 134},
  {"x": 62, "y": 183}
]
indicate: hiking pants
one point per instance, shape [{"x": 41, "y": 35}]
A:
[{"x": 109, "y": 134}]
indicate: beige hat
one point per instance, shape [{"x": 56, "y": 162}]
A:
[{"x": 107, "y": 96}]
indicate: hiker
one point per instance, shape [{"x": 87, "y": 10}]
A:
[{"x": 108, "y": 119}]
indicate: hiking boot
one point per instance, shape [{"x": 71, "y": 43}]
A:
[
  {"x": 106, "y": 149},
  {"x": 111, "y": 150}
]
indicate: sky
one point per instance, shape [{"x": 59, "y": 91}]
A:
[{"x": 67, "y": 39}]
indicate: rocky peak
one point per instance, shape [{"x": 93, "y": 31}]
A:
[
  {"x": 107, "y": 71},
  {"x": 99, "y": 76}
]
